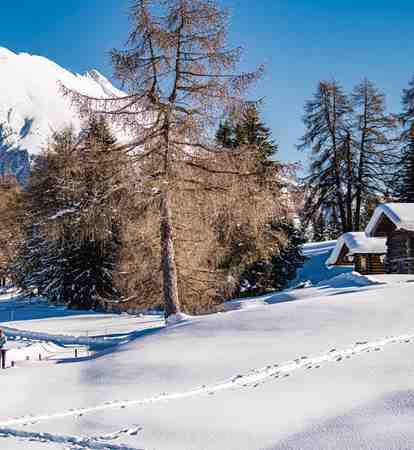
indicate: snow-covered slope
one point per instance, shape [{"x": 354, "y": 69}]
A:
[
  {"x": 329, "y": 369},
  {"x": 32, "y": 107}
]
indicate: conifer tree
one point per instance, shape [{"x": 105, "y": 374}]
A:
[
  {"x": 404, "y": 179},
  {"x": 327, "y": 122},
  {"x": 374, "y": 147},
  {"x": 73, "y": 234},
  {"x": 353, "y": 155},
  {"x": 10, "y": 225},
  {"x": 42, "y": 262},
  {"x": 408, "y": 107},
  {"x": 264, "y": 271},
  {"x": 251, "y": 131}
]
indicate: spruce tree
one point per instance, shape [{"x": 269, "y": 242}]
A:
[
  {"x": 251, "y": 131},
  {"x": 73, "y": 233}
]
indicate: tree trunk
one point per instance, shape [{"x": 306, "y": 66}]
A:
[
  {"x": 349, "y": 182},
  {"x": 358, "y": 205},
  {"x": 361, "y": 167},
  {"x": 336, "y": 164},
  {"x": 168, "y": 265}
]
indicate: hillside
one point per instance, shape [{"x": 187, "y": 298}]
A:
[{"x": 32, "y": 107}]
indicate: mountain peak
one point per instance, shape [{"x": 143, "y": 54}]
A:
[
  {"x": 5, "y": 53},
  {"x": 32, "y": 106}
]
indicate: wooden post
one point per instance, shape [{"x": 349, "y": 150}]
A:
[{"x": 3, "y": 358}]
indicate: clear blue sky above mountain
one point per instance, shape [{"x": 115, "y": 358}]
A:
[{"x": 300, "y": 41}]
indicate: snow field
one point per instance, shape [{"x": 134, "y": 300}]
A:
[{"x": 324, "y": 367}]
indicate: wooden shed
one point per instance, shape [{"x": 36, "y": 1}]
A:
[
  {"x": 395, "y": 222},
  {"x": 360, "y": 252}
]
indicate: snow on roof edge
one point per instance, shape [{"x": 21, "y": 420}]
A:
[
  {"x": 400, "y": 214},
  {"x": 357, "y": 243}
]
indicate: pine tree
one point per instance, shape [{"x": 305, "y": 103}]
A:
[
  {"x": 256, "y": 271},
  {"x": 251, "y": 131},
  {"x": 327, "y": 121},
  {"x": 408, "y": 107},
  {"x": 353, "y": 155},
  {"x": 72, "y": 235},
  {"x": 373, "y": 146},
  {"x": 405, "y": 171},
  {"x": 10, "y": 225},
  {"x": 94, "y": 257}
]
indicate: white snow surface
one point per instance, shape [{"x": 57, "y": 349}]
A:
[
  {"x": 32, "y": 106},
  {"x": 357, "y": 243},
  {"x": 401, "y": 214},
  {"x": 323, "y": 367}
]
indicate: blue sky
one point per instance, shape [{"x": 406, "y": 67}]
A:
[{"x": 300, "y": 41}]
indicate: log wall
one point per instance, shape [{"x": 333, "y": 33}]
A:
[
  {"x": 400, "y": 254},
  {"x": 367, "y": 264}
]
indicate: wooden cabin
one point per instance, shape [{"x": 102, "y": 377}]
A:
[
  {"x": 359, "y": 252},
  {"x": 395, "y": 222}
]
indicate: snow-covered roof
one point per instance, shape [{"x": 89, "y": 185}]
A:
[
  {"x": 400, "y": 214},
  {"x": 357, "y": 243}
]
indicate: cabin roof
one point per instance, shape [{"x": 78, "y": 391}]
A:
[
  {"x": 400, "y": 214},
  {"x": 357, "y": 243}
]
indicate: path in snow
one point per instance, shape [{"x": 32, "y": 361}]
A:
[{"x": 253, "y": 378}]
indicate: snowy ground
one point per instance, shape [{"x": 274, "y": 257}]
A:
[{"x": 324, "y": 367}]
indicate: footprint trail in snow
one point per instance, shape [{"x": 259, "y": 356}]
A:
[{"x": 252, "y": 378}]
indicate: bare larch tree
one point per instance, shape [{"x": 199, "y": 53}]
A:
[
  {"x": 327, "y": 134},
  {"x": 179, "y": 77},
  {"x": 375, "y": 147}
]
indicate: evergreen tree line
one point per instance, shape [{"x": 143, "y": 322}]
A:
[{"x": 360, "y": 155}]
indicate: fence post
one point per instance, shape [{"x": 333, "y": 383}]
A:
[{"x": 3, "y": 358}]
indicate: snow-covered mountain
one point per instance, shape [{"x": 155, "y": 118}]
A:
[{"x": 32, "y": 107}]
